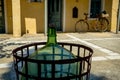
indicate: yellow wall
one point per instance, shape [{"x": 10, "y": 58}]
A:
[
  {"x": 114, "y": 15},
  {"x": 16, "y": 15},
  {"x": 8, "y": 8},
  {"x": 82, "y": 6},
  {"x": 108, "y": 7},
  {"x": 32, "y": 17}
]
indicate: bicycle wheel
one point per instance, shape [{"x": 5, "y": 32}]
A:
[
  {"x": 102, "y": 25},
  {"x": 81, "y": 26}
]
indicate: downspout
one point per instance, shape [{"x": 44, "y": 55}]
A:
[
  {"x": 46, "y": 17},
  {"x": 118, "y": 18}
]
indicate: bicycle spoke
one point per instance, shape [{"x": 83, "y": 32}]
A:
[
  {"x": 104, "y": 25},
  {"x": 101, "y": 25},
  {"x": 81, "y": 26},
  {"x": 97, "y": 26}
]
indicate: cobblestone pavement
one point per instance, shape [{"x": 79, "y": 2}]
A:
[{"x": 105, "y": 60}]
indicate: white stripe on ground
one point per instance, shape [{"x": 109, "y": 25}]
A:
[
  {"x": 103, "y": 58},
  {"x": 16, "y": 42},
  {"x": 100, "y": 58},
  {"x": 108, "y": 52},
  {"x": 102, "y": 39},
  {"x": 5, "y": 65},
  {"x": 113, "y": 57}
]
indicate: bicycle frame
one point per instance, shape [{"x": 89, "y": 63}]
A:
[{"x": 98, "y": 24}]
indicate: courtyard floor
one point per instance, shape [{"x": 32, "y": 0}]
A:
[{"x": 105, "y": 59}]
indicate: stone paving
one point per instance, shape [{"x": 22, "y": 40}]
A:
[{"x": 106, "y": 57}]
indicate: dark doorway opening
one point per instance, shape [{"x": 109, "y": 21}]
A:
[
  {"x": 2, "y": 18},
  {"x": 55, "y": 13}
]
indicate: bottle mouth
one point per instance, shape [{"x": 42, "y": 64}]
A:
[{"x": 52, "y": 25}]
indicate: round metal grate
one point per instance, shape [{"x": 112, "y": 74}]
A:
[{"x": 83, "y": 61}]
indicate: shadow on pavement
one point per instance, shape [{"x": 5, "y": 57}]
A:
[
  {"x": 7, "y": 73},
  {"x": 10, "y": 75},
  {"x": 95, "y": 77}
]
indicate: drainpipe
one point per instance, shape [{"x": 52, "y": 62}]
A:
[
  {"x": 118, "y": 18},
  {"x": 46, "y": 17}
]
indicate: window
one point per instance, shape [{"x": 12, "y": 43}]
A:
[
  {"x": 75, "y": 12},
  {"x": 35, "y": 0},
  {"x": 95, "y": 8}
]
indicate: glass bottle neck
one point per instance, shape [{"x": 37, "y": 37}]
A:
[{"x": 51, "y": 36}]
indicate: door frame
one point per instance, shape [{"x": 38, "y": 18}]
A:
[
  {"x": 46, "y": 16},
  {"x": 5, "y": 16}
]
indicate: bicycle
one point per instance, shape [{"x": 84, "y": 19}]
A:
[{"x": 100, "y": 24}]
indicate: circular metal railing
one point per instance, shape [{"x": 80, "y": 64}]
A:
[{"x": 83, "y": 61}]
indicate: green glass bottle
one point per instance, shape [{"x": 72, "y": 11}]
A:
[{"x": 51, "y": 51}]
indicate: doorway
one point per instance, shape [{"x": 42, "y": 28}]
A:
[
  {"x": 55, "y": 13},
  {"x": 2, "y": 19}
]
